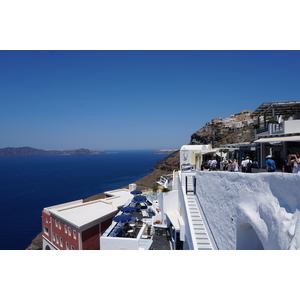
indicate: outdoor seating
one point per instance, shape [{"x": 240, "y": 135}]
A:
[
  {"x": 131, "y": 233},
  {"x": 145, "y": 214}
]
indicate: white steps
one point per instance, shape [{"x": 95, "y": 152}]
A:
[
  {"x": 190, "y": 185},
  {"x": 198, "y": 229}
]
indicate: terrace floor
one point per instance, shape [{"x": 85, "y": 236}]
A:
[{"x": 160, "y": 242}]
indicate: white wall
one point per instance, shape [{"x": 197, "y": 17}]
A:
[
  {"x": 292, "y": 126},
  {"x": 168, "y": 201},
  {"x": 268, "y": 204},
  {"x": 182, "y": 203}
]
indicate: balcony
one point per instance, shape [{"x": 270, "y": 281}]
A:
[{"x": 286, "y": 127}]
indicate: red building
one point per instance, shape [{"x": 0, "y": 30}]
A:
[{"x": 78, "y": 225}]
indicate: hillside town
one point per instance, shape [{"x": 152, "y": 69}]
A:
[{"x": 237, "y": 120}]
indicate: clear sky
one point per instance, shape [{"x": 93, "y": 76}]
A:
[{"x": 133, "y": 99}]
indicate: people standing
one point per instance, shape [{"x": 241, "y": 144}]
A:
[
  {"x": 270, "y": 164},
  {"x": 287, "y": 166},
  {"x": 295, "y": 160},
  {"x": 248, "y": 165},
  {"x": 235, "y": 165},
  {"x": 243, "y": 165},
  {"x": 213, "y": 164}
]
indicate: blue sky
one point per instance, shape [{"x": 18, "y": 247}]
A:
[{"x": 133, "y": 99}]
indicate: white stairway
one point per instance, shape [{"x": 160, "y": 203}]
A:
[
  {"x": 198, "y": 229},
  {"x": 190, "y": 185}
]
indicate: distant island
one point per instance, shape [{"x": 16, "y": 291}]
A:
[
  {"x": 28, "y": 151},
  {"x": 165, "y": 151}
]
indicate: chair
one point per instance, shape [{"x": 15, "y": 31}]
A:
[{"x": 131, "y": 232}]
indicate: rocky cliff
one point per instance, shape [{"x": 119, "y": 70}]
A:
[{"x": 218, "y": 134}]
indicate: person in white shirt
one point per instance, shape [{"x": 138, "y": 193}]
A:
[
  {"x": 213, "y": 164},
  {"x": 242, "y": 165},
  {"x": 235, "y": 166},
  {"x": 248, "y": 165},
  {"x": 295, "y": 160}
]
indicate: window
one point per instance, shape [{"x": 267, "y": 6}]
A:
[
  {"x": 67, "y": 246},
  {"x": 61, "y": 242},
  {"x": 56, "y": 223},
  {"x": 59, "y": 225},
  {"x": 69, "y": 231},
  {"x": 66, "y": 230},
  {"x": 46, "y": 231},
  {"x": 72, "y": 248},
  {"x": 74, "y": 234},
  {"x": 47, "y": 220},
  {"x": 56, "y": 239},
  {"x": 53, "y": 237}
]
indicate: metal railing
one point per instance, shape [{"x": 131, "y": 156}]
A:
[{"x": 262, "y": 129}]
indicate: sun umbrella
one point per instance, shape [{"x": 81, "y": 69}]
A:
[
  {"x": 127, "y": 209},
  {"x": 139, "y": 198},
  {"x": 122, "y": 218},
  {"x": 136, "y": 192}
]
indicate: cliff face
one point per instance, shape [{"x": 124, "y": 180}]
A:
[
  {"x": 170, "y": 162},
  {"x": 218, "y": 134}
]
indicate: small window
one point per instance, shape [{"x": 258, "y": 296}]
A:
[
  {"x": 46, "y": 231},
  {"x": 56, "y": 223},
  {"x": 59, "y": 225},
  {"x": 66, "y": 230},
  {"x": 61, "y": 242},
  {"x": 47, "y": 220},
  {"x": 72, "y": 248},
  {"x": 53, "y": 237},
  {"x": 74, "y": 234},
  {"x": 67, "y": 246},
  {"x": 56, "y": 239},
  {"x": 69, "y": 231}
]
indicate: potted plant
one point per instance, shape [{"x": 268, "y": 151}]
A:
[
  {"x": 272, "y": 120},
  {"x": 286, "y": 117},
  {"x": 155, "y": 188}
]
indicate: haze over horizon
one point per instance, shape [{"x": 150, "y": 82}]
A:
[{"x": 103, "y": 100}]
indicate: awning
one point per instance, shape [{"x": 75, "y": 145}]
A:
[
  {"x": 293, "y": 138},
  {"x": 173, "y": 216}
]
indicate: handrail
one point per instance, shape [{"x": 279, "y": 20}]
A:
[{"x": 262, "y": 129}]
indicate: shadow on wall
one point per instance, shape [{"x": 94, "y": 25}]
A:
[{"x": 247, "y": 238}]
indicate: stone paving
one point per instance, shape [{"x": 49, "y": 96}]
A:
[{"x": 160, "y": 242}]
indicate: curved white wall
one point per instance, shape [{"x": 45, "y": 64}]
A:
[{"x": 268, "y": 202}]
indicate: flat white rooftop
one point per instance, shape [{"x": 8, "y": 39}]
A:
[{"x": 80, "y": 214}]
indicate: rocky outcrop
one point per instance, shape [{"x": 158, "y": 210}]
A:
[
  {"x": 28, "y": 151},
  {"x": 36, "y": 243},
  {"x": 169, "y": 163},
  {"x": 218, "y": 134}
]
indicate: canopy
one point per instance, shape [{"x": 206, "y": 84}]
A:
[
  {"x": 136, "y": 192},
  {"x": 122, "y": 218},
  {"x": 128, "y": 209},
  {"x": 139, "y": 198},
  {"x": 293, "y": 138}
]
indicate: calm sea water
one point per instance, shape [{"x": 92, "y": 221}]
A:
[{"x": 28, "y": 184}]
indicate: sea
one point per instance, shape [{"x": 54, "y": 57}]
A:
[{"x": 30, "y": 183}]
